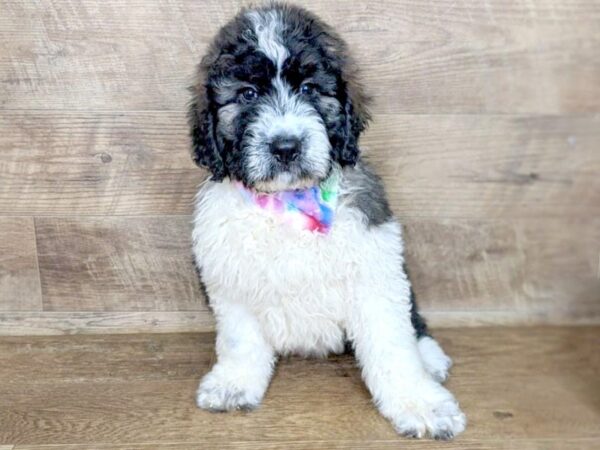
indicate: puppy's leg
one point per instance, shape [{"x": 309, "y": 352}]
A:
[
  {"x": 436, "y": 362},
  {"x": 392, "y": 367},
  {"x": 244, "y": 365}
]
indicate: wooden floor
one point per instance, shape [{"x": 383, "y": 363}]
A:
[{"x": 522, "y": 388}]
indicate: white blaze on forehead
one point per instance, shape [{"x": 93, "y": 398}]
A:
[
  {"x": 268, "y": 27},
  {"x": 282, "y": 113}
]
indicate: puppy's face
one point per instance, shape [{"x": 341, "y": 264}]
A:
[{"x": 276, "y": 104}]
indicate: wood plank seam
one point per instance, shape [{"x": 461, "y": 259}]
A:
[{"x": 37, "y": 263}]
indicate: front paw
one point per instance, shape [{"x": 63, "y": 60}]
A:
[
  {"x": 429, "y": 410},
  {"x": 220, "y": 392}
]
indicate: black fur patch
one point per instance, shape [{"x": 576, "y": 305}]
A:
[
  {"x": 202, "y": 285},
  {"x": 366, "y": 193},
  {"x": 417, "y": 319}
]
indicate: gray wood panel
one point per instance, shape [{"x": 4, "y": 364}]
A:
[
  {"x": 19, "y": 274},
  {"x": 539, "y": 270},
  {"x": 95, "y": 164},
  {"x": 117, "y": 264},
  {"x": 464, "y": 166},
  {"x": 419, "y": 57},
  {"x": 528, "y": 269}
]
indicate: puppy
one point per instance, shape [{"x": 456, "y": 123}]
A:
[{"x": 295, "y": 242}]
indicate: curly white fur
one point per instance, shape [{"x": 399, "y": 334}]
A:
[{"x": 275, "y": 290}]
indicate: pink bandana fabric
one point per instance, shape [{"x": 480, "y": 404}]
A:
[{"x": 302, "y": 209}]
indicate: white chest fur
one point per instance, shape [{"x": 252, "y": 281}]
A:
[
  {"x": 276, "y": 289},
  {"x": 298, "y": 284}
]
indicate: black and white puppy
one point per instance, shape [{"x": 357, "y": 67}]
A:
[{"x": 277, "y": 107}]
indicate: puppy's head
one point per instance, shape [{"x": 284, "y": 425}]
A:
[{"x": 276, "y": 104}]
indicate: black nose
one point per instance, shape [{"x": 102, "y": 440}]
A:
[{"x": 285, "y": 149}]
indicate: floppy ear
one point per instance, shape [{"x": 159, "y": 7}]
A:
[
  {"x": 205, "y": 146},
  {"x": 356, "y": 120}
]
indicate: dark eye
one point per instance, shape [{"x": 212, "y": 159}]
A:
[
  {"x": 307, "y": 88},
  {"x": 249, "y": 94}
]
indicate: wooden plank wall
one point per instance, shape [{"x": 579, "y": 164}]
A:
[{"x": 486, "y": 130}]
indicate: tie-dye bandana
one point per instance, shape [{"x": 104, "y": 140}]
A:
[{"x": 303, "y": 209}]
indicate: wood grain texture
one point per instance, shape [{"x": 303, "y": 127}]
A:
[
  {"x": 137, "y": 392},
  {"x": 19, "y": 274},
  {"x": 117, "y": 264},
  {"x": 419, "y": 57},
  {"x": 95, "y": 164},
  {"x": 465, "y": 166},
  {"x": 539, "y": 269},
  {"x": 51, "y": 323},
  {"x": 482, "y": 166}
]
